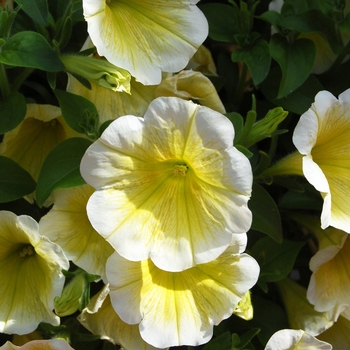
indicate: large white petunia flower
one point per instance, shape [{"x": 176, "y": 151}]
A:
[
  {"x": 146, "y": 37},
  {"x": 30, "y": 275},
  {"x": 170, "y": 187},
  {"x": 180, "y": 308},
  {"x": 322, "y": 136}
]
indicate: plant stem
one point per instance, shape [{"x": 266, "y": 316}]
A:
[
  {"x": 4, "y": 84},
  {"x": 21, "y": 78}
]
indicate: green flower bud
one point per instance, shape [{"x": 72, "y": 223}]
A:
[{"x": 98, "y": 71}]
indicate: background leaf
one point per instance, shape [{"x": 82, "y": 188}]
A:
[
  {"x": 266, "y": 217},
  {"x": 276, "y": 260},
  {"x": 295, "y": 59},
  {"x": 257, "y": 58},
  {"x": 31, "y": 50},
  {"x": 12, "y": 112},
  {"x": 36, "y": 9},
  {"x": 61, "y": 168},
  {"x": 15, "y": 182}
]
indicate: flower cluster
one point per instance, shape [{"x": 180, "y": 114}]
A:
[{"x": 174, "y": 173}]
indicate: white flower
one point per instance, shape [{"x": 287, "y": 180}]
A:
[
  {"x": 180, "y": 308},
  {"x": 322, "y": 136},
  {"x": 170, "y": 187},
  {"x": 146, "y": 37}
]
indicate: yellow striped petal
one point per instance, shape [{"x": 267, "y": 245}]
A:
[
  {"x": 31, "y": 275},
  {"x": 67, "y": 225},
  {"x": 170, "y": 186},
  {"x": 100, "y": 318},
  {"x": 183, "y": 306},
  {"x": 146, "y": 37},
  {"x": 322, "y": 136}
]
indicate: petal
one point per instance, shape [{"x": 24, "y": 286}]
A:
[
  {"x": 146, "y": 38},
  {"x": 67, "y": 225},
  {"x": 100, "y": 318},
  {"x": 182, "y": 306},
  {"x": 290, "y": 339}
]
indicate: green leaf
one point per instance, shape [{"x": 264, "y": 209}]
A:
[
  {"x": 222, "y": 342},
  {"x": 295, "y": 59},
  {"x": 31, "y": 50},
  {"x": 300, "y": 100},
  {"x": 79, "y": 113},
  {"x": 257, "y": 58},
  {"x": 15, "y": 182},
  {"x": 12, "y": 112},
  {"x": 221, "y": 19},
  {"x": 266, "y": 217},
  {"x": 276, "y": 260},
  {"x": 36, "y": 9},
  {"x": 314, "y": 21},
  {"x": 244, "y": 340},
  {"x": 61, "y": 168}
]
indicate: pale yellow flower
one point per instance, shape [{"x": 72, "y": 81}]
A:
[
  {"x": 180, "y": 308},
  {"x": 67, "y": 225},
  {"x": 330, "y": 281},
  {"x": 146, "y": 37},
  {"x": 301, "y": 314},
  {"x": 31, "y": 141},
  {"x": 52, "y": 344},
  {"x": 30, "y": 275},
  {"x": 338, "y": 335},
  {"x": 291, "y": 339},
  {"x": 100, "y": 318},
  {"x": 190, "y": 85},
  {"x": 322, "y": 136},
  {"x": 170, "y": 187},
  {"x": 202, "y": 61},
  {"x": 111, "y": 104}
]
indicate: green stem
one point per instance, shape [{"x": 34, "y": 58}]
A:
[
  {"x": 241, "y": 85},
  {"x": 338, "y": 61},
  {"x": 21, "y": 78},
  {"x": 4, "y": 84}
]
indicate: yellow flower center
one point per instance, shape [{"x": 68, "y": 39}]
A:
[
  {"x": 180, "y": 170},
  {"x": 27, "y": 250}
]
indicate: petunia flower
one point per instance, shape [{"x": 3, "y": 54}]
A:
[
  {"x": 202, "y": 61},
  {"x": 52, "y": 344},
  {"x": 322, "y": 140},
  {"x": 322, "y": 136},
  {"x": 301, "y": 314},
  {"x": 30, "y": 275},
  {"x": 146, "y": 37},
  {"x": 170, "y": 187},
  {"x": 180, "y": 308},
  {"x": 338, "y": 335},
  {"x": 190, "y": 85},
  {"x": 292, "y": 339},
  {"x": 31, "y": 141},
  {"x": 67, "y": 224},
  {"x": 100, "y": 318},
  {"x": 330, "y": 281}
]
